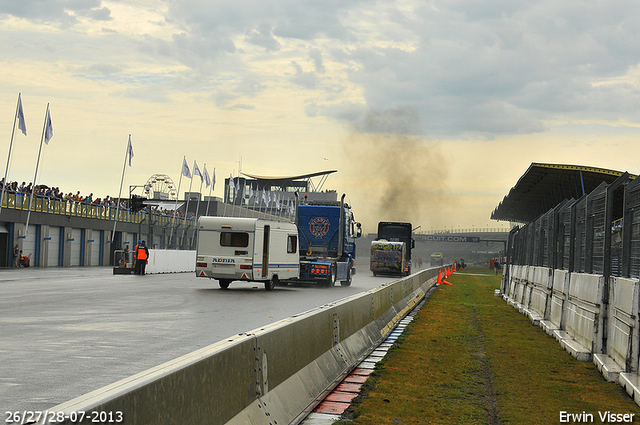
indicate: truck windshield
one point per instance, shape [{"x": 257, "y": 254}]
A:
[
  {"x": 234, "y": 239},
  {"x": 395, "y": 231}
]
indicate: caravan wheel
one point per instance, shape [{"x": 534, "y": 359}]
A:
[
  {"x": 224, "y": 283},
  {"x": 271, "y": 283}
]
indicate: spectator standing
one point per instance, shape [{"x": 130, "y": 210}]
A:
[
  {"x": 16, "y": 256},
  {"x": 142, "y": 255}
]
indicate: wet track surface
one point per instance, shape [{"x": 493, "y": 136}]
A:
[{"x": 68, "y": 331}]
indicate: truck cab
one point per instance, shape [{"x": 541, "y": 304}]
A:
[{"x": 327, "y": 234}]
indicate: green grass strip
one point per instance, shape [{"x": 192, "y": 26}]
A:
[{"x": 470, "y": 358}]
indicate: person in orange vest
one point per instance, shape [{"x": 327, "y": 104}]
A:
[{"x": 142, "y": 255}]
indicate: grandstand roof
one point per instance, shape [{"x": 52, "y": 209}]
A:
[
  {"x": 543, "y": 186},
  {"x": 300, "y": 177}
]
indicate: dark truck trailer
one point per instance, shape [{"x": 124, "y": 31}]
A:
[
  {"x": 326, "y": 233},
  {"x": 391, "y": 251}
]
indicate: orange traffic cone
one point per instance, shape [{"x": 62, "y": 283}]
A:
[{"x": 442, "y": 281}]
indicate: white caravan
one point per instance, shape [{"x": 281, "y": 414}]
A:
[{"x": 249, "y": 249}]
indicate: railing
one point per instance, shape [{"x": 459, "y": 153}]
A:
[{"x": 19, "y": 201}]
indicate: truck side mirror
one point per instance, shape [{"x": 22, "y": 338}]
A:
[
  {"x": 413, "y": 243},
  {"x": 358, "y": 230}
]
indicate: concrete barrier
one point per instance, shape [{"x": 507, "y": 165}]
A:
[
  {"x": 583, "y": 326},
  {"x": 171, "y": 261},
  {"x": 519, "y": 288},
  {"x": 559, "y": 292},
  {"x": 622, "y": 334},
  {"x": 517, "y": 285},
  {"x": 582, "y": 318},
  {"x": 194, "y": 386},
  {"x": 272, "y": 375},
  {"x": 540, "y": 294}
]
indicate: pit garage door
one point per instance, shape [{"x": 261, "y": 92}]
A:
[
  {"x": 53, "y": 246},
  {"x": 76, "y": 245},
  {"x": 95, "y": 247},
  {"x": 29, "y": 243}
]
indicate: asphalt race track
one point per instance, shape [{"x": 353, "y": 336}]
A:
[{"x": 68, "y": 331}]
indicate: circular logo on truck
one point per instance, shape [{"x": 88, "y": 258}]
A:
[{"x": 319, "y": 227}]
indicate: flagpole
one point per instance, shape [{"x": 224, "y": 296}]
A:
[
  {"x": 6, "y": 170},
  {"x": 186, "y": 209},
  {"x": 33, "y": 187},
  {"x": 175, "y": 209},
  {"x": 200, "y": 193},
  {"x": 244, "y": 199},
  {"x": 224, "y": 213},
  {"x": 124, "y": 168},
  {"x": 235, "y": 195},
  {"x": 210, "y": 190}
]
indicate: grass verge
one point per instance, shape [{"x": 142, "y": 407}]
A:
[{"x": 468, "y": 357}]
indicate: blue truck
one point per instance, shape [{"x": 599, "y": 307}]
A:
[{"x": 326, "y": 233}]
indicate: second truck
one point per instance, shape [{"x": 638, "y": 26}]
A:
[{"x": 391, "y": 251}]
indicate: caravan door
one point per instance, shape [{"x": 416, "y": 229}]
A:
[{"x": 265, "y": 251}]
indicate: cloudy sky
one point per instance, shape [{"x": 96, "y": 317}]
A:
[{"x": 429, "y": 110}]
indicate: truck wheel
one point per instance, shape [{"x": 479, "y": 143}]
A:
[
  {"x": 271, "y": 283},
  {"x": 224, "y": 283},
  {"x": 348, "y": 281},
  {"x": 332, "y": 279}
]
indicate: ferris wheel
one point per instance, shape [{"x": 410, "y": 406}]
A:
[{"x": 160, "y": 186}]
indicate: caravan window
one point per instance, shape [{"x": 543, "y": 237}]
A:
[
  {"x": 234, "y": 239},
  {"x": 292, "y": 244}
]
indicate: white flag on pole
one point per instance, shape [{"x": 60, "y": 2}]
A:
[
  {"x": 48, "y": 132},
  {"x": 207, "y": 179},
  {"x": 130, "y": 151},
  {"x": 21, "y": 124},
  {"x": 196, "y": 171},
  {"x": 185, "y": 169},
  {"x": 232, "y": 183}
]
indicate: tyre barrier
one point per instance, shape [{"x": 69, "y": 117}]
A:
[{"x": 273, "y": 375}]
